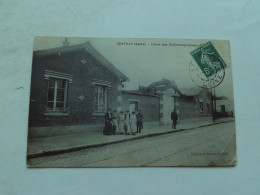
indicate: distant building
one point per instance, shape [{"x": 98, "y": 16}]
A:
[
  {"x": 192, "y": 103},
  {"x": 195, "y": 103},
  {"x": 224, "y": 107}
]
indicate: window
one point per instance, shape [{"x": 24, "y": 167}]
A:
[
  {"x": 201, "y": 108},
  {"x": 100, "y": 99},
  {"x": 223, "y": 108},
  {"x": 208, "y": 108},
  {"x": 57, "y": 95}
]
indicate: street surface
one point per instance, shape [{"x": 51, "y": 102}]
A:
[{"x": 206, "y": 146}]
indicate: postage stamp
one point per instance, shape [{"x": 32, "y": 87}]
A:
[{"x": 208, "y": 68}]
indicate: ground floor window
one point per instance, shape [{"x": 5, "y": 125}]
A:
[
  {"x": 223, "y": 108},
  {"x": 100, "y": 99},
  {"x": 57, "y": 95}
]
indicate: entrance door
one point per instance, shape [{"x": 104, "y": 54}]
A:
[{"x": 133, "y": 106}]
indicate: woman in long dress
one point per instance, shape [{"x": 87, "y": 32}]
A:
[
  {"x": 133, "y": 122},
  {"x": 108, "y": 123},
  {"x": 121, "y": 122}
]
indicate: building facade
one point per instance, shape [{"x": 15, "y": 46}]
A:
[
  {"x": 224, "y": 107},
  {"x": 73, "y": 85},
  {"x": 194, "y": 104}
]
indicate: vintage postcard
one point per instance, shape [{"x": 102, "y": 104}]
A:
[{"x": 127, "y": 102}]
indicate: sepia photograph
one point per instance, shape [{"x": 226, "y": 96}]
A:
[{"x": 129, "y": 102}]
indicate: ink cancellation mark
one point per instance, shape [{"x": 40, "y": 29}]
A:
[{"x": 207, "y": 69}]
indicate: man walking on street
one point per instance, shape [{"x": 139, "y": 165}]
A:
[
  {"x": 174, "y": 118},
  {"x": 139, "y": 117}
]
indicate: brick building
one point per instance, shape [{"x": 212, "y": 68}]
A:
[{"x": 73, "y": 85}]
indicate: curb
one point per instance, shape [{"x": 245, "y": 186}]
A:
[{"x": 78, "y": 148}]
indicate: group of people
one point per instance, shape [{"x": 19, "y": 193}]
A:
[
  {"x": 123, "y": 122},
  {"x": 128, "y": 123}
]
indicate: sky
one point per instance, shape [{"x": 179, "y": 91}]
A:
[{"x": 145, "y": 61}]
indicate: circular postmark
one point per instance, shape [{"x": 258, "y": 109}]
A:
[{"x": 209, "y": 76}]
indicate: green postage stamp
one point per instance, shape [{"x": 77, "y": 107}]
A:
[{"x": 208, "y": 59}]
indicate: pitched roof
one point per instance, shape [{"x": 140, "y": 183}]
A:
[
  {"x": 171, "y": 92},
  {"x": 191, "y": 91},
  {"x": 137, "y": 92},
  {"x": 91, "y": 50}
]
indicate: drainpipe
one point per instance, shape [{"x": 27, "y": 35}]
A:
[
  {"x": 212, "y": 106},
  {"x": 215, "y": 99}
]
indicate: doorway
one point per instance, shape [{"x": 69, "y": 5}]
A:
[
  {"x": 133, "y": 106},
  {"x": 223, "y": 108}
]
